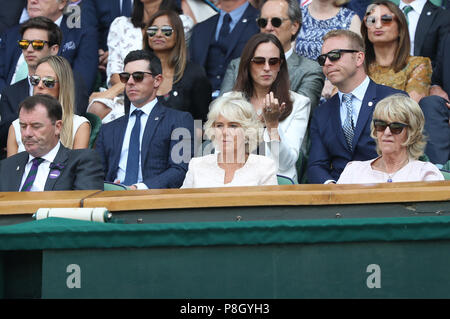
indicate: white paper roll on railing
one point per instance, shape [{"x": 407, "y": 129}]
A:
[{"x": 96, "y": 214}]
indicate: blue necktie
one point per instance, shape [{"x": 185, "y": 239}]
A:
[
  {"x": 224, "y": 30},
  {"x": 32, "y": 174},
  {"x": 348, "y": 124},
  {"x": 131, "y": 174},
  {"x": 126, "y": 8}
]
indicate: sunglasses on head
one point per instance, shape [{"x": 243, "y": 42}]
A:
[
  {"x": 394, "y": 127},
  {"x": 49, "y": 82},
  {"x": 386, "y": 19},
  {"x": 333, "y": 55},
  {"x": 138, "y": 76},
  {"x": 166, "y": 30},
  {"x": 36, "y": 44},
  {"x": 275, "y": 21},
  {"x": 259, "y": 60}
]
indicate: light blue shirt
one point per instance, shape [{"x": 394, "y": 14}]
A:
[
  {"x": 147, "y": 109},
  {"x": 235, "y": 15},
  {"x": 358, "y": 96}
]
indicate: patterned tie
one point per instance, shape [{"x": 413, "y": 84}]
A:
[
  {"x": 131, "y": 174},
  {"x": 406, "y": 10},
  {"x": 348, "y": 124},
  {"x": 32, "y": 174}
]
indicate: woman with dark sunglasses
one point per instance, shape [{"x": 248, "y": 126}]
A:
[
  {"x": 397, "y": 128},
  {"x": 388, "y": 59},
  {"x": 264, "y": 80},
  {"x": 125, "y": 35},
  {"x": 185, "y": 86},
  {"x": 53, "y": 76}
]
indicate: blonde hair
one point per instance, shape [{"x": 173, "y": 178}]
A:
[
  {"x": 66, "y": 95},
  {"x": 235, "y": 107},
  {"x": 401, "y": 108}
]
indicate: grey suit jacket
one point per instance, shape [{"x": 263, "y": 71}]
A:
[
  {"x": 79, "y": 169},
  {"x": 305, "y": 75}
]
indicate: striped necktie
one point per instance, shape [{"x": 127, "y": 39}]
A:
[
  {"x": 348, "y": 124},
  {"x": 406, "y": 10},
  {"x": 32, "y": 174}
]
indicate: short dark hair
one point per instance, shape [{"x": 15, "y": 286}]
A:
[
  {"x": 54, "y": 108},
  {"x": 154, "y": 62},
  {"x": 43, "y": 23}
]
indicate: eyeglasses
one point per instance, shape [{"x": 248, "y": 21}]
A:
[
  {"x": 36, "y": 44},
  {"x": 386, "y": 20},
  {"x": 138, "y": 76},
  {"x": 49, "y": 81},
  {"x": 275, "y": 21},
  {"x": 166, "y": 30},
  {"x": 394, "y": 127},
  {"x": 333, "y": 55},
  {"x": 259, "y": 60}
]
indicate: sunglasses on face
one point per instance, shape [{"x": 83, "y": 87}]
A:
[
  {"x": 259, "y": 60},
  {"x": 394, "y": 127},
  {"x": 49, "y": 82},
  {"x": 333, "y": 55},
  {"x": 166, "y": 30},
  {"x": 386, "y": 19},
  {"x": 36, "y": 44},
  {"x": 275, "y": 21},
  {"x": 138, "y": 76}
]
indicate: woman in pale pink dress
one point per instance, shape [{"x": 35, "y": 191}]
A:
[{"x": 397, "y": 128}]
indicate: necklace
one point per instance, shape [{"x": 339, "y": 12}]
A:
[{"x": 391, "y": 175}]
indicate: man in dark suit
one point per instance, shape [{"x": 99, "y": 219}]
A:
[
  {"x": 340, "y": 128},
  {"x": 42, "y": 29},
  {"x": 428, "y": 25},
  {"x": 221, "y": 38},
  {"x": 10, "y": 13},
  {"x": 79, "y": 45},
  {"x": 100, "y": 14},
  {"x": 47, "y": 164},
  {"x": 306, "y": 77},
  {"x": 436, "y": 108},
  {"x": 151, "y": 146}
]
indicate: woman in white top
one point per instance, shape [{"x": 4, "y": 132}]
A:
[
  {"x": 397, "y": 128},
  {"x": 263, "y": 78},
  {"x": 53, "y": 76},
  {"x": 233, "y": 128},
  {"x": 126, "y": 34}
]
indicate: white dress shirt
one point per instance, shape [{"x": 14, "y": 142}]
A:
[
  {"x": 43, "y": 170},
  {"x": 146, "y": 109},
  {"x": 413, "y": 18},
  {"x": 358, "y": 96}
]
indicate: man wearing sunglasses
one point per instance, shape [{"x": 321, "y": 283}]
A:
[
  {"x": 221, "y": 38},
  {"x": 47, "y": 165},
  {"x": 340, "y": 128},
  {"x": 79, "y": 43},
  {"x": 150, "y": 146},
  {"x": 283, "y": 18},
  {"x": 40, "y": 37}
]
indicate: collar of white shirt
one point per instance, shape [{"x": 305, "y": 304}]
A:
[
  {"x": 147, "y": 108},
  {"x": 417, "y": 5}
]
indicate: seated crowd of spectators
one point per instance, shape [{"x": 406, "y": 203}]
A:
[{"x": 194, "y": 93}]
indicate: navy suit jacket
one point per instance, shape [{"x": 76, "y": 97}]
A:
[
  {"x": 329, "y": 153},
  {"x": 432, "y": 27},
  {"x": 441, "y": 71},
  {"x": 14, "y": 94},
  {"x": 160, "y": 152},
  {"x": 100, "y": 14},
  {"x": 203, "y": 36},
  {"x": 79, "y": 46},
  {"x": 80, "y": 170}
]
